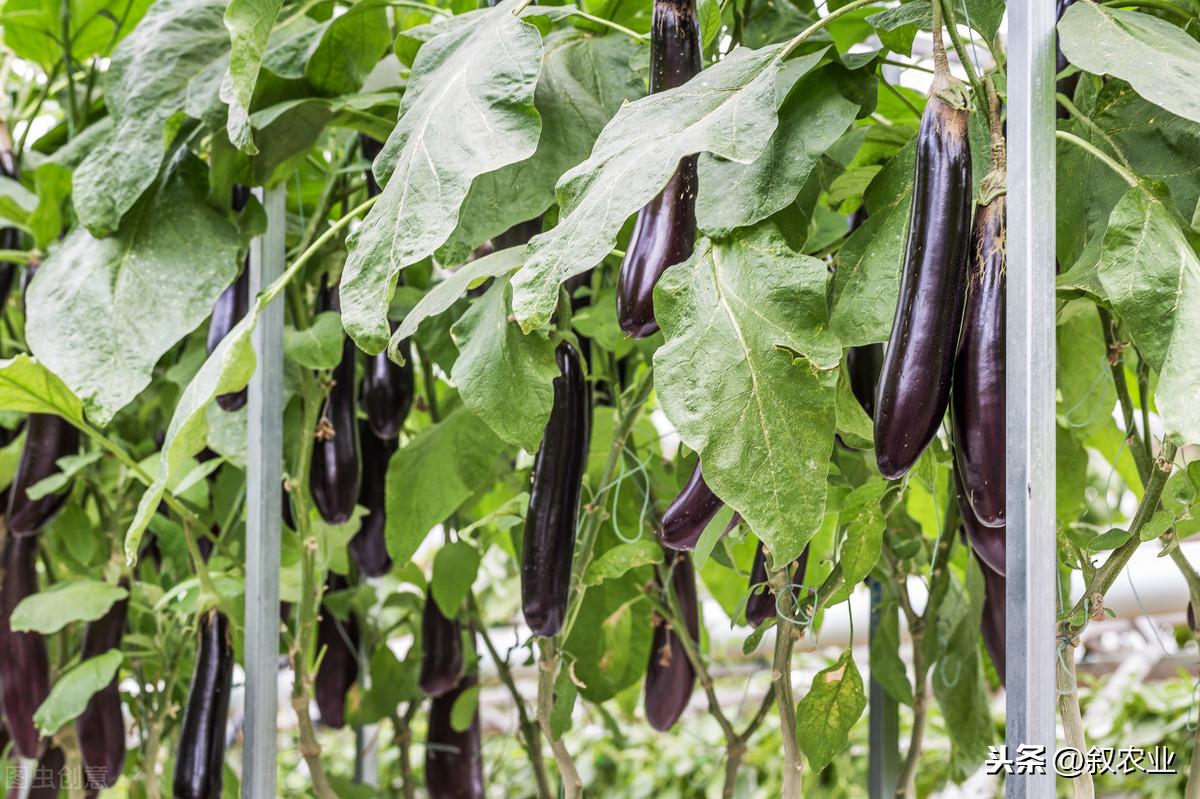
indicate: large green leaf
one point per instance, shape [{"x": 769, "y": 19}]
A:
[
  {"x": 350, "y": 47},
  {"x": 1159, "y": 60},
  {"x": 145, "y": 85},
  {"x": 826, "y": 714},
  {"x": 33, "y": 29},
  {"x": 69, "y": 696},
  {"x": 609, "y": 646},
  {"x": 27, "y": 386},
  {"x": 811, "y": 119},
  {"x": 49, "y": 611},
  {"x": 468, "y": 110},
  {"x": 1148, "y": 270},
  {"x": 249, "y": 23},
  {"x": 747, "y": 375},
  {"x": 101, "y": 312},
  {"x": 434, "y": 475},
  {"x": 727, "y": 110},
  {"x": 454, "y": 569},
  {"x": 503, "y": 375}
]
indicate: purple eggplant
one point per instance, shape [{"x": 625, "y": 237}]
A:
[
  {"x": 863, "y": 364},
  {"x": 685, "y": 518},
  {"x": 665, "y": 229},
  {"x": 369, "y": 545},
  {"x": 339, "y": 665},
  {"x": 336, "y": 475},
  {"x": 453, "y": 759},
  {"x": 10, "y": 237},
  {"x": 993, "y": 615},
  {"x": 101, "y": 727},
  {"x": 24, "y": 664},
  {"x": 47, "y": 438},
  {"x": 914, "y": 385},
  {"x": 554, "y": 494},
  {"x": 987, "y": 542},
  {"x": 669, "y": 675},
  {"x": 231, "y": 307},
  {"x": 200, "y": 760},
  {"x": 387, "y": 393},
  {"x": 47, "y": 779},
  {"x": 441, "y": 650},
  {"x": 761, "y": 604},
  {"x": 977, "y": 410}
]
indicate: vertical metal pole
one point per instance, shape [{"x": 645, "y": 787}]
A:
[
  {"x": 1031, "y": 563},
  {"x": 264, "y": 471},
  {"x": 883, "y": 723}
]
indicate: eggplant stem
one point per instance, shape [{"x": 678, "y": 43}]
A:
[
  {"x": 1099, "y": 154},
  {"x": 1072, "y": 720},
  {"x": 781, "y": 676},
  {"x": 805, "y": 34}
]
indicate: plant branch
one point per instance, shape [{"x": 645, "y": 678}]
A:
[
  {"x": 572, "y": 785},
  {"x": 1099, "y": 154},
  {"x": 1072, "y": 720},
  {"x": 1087, "y": 122},
  {"x": 781, "y": 680},
  {"x": 1116, "y": 366},
  {"x": 805, "y": 34}
]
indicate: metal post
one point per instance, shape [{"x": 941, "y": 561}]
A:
[
  {"x": 1031, "y": 562},
  {"x": 264, "y": 472},
  {"x": 883, "y": 721}
]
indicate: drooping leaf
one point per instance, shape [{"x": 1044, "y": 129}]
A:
[
  {"x": 33, "y": 29},
  {"x": 466, "y": 705},
  {"x": 349, "y": 48},
  {"x": 468, "y": 110},
  {"x": 69, "y": 696},
  {"x": 249, "y": 23},
  {"x": 863, "y": 517},
  {"x": 746, "y": 376},
  {"x": 101, "y": 312},
  {"x": 318, "y": 346},
  {"x": 27, "y": 386},
  {"x": 887, "y": 668},
  {"x": 610, "y": 642},
  {"x": 727, "y": 110},
  {"x": 48, "y": 611},
  {"x": 619, "y": 560},
  {"x": 826, "y": 714},
  {"x": 454, "y": 569}
]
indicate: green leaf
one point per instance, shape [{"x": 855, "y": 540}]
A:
[
  {"x": 1159, "y": 60},
  {"x": 16, "y": 201},
  {"x": 249, "y": 23},
  {"x": 746, "y": 376},
  {"x": 34, "y": 29},
  {"x": 318, "y": 346},
  {"x": 887, "y": 668},
  {"x": 824, "y": 717},
  {"x": 349, "y": 49},
  {"x": 70, "y": 695},
  {"x": 454, "y": 569},
  {"x": 468, "y": 110},
  {"x": 49, "y": 611},
  {"x": 1086, "y": 395},
  {"x": 958, "y": 674},
  {"x": 68, "y": 467},
  {"x": 27, "y": 386},
  {"x": 147, "y": 82},
  {"x": 863, "y": 517},
  {"x": 622, "y": 558},
  {"x": 1158, "y": 524},
  {"x": 102, "y": 312},
  {"x": 505, "y": 377},
  {"x": 1110, "y": 539},
  {"x": 727, "y": 110},
  {"x": 434, "y": 475},
  {"x": 897, "y": 27},
  {"x": 610, "y": 642},
  {"x": 984, "y": 16},
  {"x": 465, "y": 708},
  {"x": 812, "y": 117},
  {"x": 565, "y": 693}
]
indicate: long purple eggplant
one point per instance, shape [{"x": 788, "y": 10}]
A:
[
  {"x": 387, "y": 393},
  {"x": 665, "y": 229},
  {"x": 336, "y": 474},
  {"x": 441, "y": 650},
  {"x": 24, "y": 665},
  {"x": 47, "y": 777},
  {"x": 987, "y": 542},
  {"x": 453, "y": 759},
  {"x": 47, "y": 438},
  {"x": 761, "y": 604},
  {"x": 200, "y": 761},
  {"x": 10, "y": 237},
  {"x": 977, "y": 413},
  {"x": 669, "y": 675},
  {"x": 554, "y": 494},
  {"x": 684, "y": 520},
  {"x": 369, "y": 545},
  {"x": 914, "y": 385},
  {"x": 230, "y": 307},
  {"x": 993, "y": 616},
  {"x": 863, "y": 364},
  {"x": 101, "y": 727},
  {"x": 339, "y": 665}
]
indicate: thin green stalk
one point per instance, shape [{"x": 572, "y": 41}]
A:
[
  {"x": 905, "y": 65},
  {"x": 820, "y": 24},
  {"x": 964, "y": 57},
  {"x": 1087, "y": 122},
  {"x": 1116, "y": 365},
  {"x": 18, "y": 256},
  {"x": 1099, "y": 154},
  {"x": 608, "y": 23},
  {"x": 781, "y": 680}
]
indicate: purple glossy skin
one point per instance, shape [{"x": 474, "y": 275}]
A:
[
  {"x": 864, "y": 365},
  {"x": 339, "y": 665},
  {"x": 48, "y": 775},
  {"x": 47, "y": 438},
  {"x": 10, "y": 237},
  {"x": 441, "y": 650},
  {"x": 914, "y": 385},
  {"x": 761, "y": 604},
  {"x": 229, "y": 309},
  {"x": 993, "y": 616},
  {"x": 665, "y": 229},
  {"x": 24, "y": 665},
  {"x": 387, "y": 393},
  {"x": 554, "y": 493},
  {"x": 336, "y": 475},
  {"x": 453, "y": 759},
  {"x": 977, "y": 415},
  {"x": 200, "y": 763},
  {"x": 101, "y": 728},
  {"x": 987, "y": 542},
  {"x": 685, "y": 518},
  {"x": 369, "y": 545},
  {"x": 669, "y": 675}
]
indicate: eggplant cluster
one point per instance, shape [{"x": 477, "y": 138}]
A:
[
  {"x": 339, "y": 640},
  {"x": 453, "y": 758},
  {"x": 200, "y": 759},
  {"x": 670, "y": 676}
]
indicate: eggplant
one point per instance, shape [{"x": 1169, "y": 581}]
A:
[
  {"x": 554, "y": 494},
  {"x": 230, "y": 307},
  {"x": 863, "y": 365},
  {"x": 993, "y": 615},
  {"x": 519, "y": 234},
  {"x": 987, "y": 542},
  {"x": 47, "y": 779},
  {"x": 200, "y": 761},
  {"x": 339, "y": 664},
  {"x": 665, "y": 229},
  {"x": 101, "y": 727},
  {"x": 369, "y": 545},
  {"x": 761, "y": 604},
  {"x": 669, "y": 675},
  {"x": 370, "y": 149},
  {"x": 977, "y": 409},
  {"x": 387, "y": 393},
  {"x": 1191, "y": 619},
  {"x": 47, "y": 438},
  {"x": 441, "y": 650},
  {"x": 453, "y": 759},
  {"x": 336, "y": 474},
  {"x": 10, "y": 237},
  {"x": 685, "y": 518},
  {"x": 914, "y": 385},
  {"x": 1065, "y": 86},
  {"x": 24, "y": 664}
]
